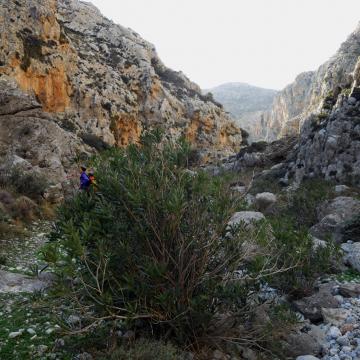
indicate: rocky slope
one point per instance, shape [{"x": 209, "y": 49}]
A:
[
  {"x": 247, "y": 104},
  {"x": 69, "y": 76},
  {"x": 306, "y": 95}
]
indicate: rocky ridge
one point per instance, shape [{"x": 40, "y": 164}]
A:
[
  {"x": 70, "y": 77},
  {"x": 307, "y": 94}
]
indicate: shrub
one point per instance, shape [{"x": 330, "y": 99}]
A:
[
  {"x": 152, "y": 246},
  {"x": 6, "y": 198},
  {"x": 24, "y": 209},
  {"x": 303, "y": 203},
  {"x": 30, "y": 184},
  {"x": 4, "y": 216},
  {"x": 294, "y": 245}
]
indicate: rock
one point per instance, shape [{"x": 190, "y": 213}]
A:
[
  {"x": 15, "y": 334},
  {"x": 341, "y": 189},
  {"x": 218, "y": 355},
  {"x": 333, "y": 215},
  {"x": 15, "y": 283},
  {"x": 317, "y": 243},
  {"x": 249, "y": 354},
  {"x": 334, "y": 332},
  {"x": 248, "y": 218},
  {"x": 352, "y": 255},
  {"x": 352, "y": 100},
  {"x": 342, "y": 206},
  {"x": 311, "y": 306},
  {"x": 328, "y": 227},
  {"x": 31, "y": 331},
  {"x": 239, "y": 189},
  {"x": 300, "y": 341},
  {"x": 307, "y": 357},
  {"x": 103, "y": 90},
  {"x": 84, "y": 356},
  {"x": 346, "y": 328},
  {"x": 343, "y": 340},
  {"x": 349, "y": 290},
  {"x": 264, "y": 200},
  {"x": 54, "y": 194},
  {"x": 73, "y": 320},
  {"x": 335, "y": 316}
]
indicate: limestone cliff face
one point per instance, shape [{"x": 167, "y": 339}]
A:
[
  {"x": 91, "y": 77},
  {"x": 329, "y": 144},
  {"x": 307, "y": 94}
]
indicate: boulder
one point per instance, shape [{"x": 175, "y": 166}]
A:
[
  {"x": 307, "y": 357},
  {"x": 349, "y": 290},
  {"x": 311, "y": 307},
  {"x": 335, "y": 316},
  {"x": 342, "y": 206},
  {"x": 264, "y": 200},
  {"x": 352, "y": 255},
  {"x": 341, "y": 189},
  {"x": 16, "y": 283},
  {"x": 247, "y": 218},
  {"x": 333, "y": 216},
  {"x": 308, "y": 339}
]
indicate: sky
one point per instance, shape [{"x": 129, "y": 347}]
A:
[{"x": 265, "y": 43}]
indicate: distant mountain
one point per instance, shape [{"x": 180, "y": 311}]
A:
[{"x": 246, "y": 104}]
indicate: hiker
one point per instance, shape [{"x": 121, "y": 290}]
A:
[
  {"x": 92, "y": 179},
  {"x": 84, "y": 179}
]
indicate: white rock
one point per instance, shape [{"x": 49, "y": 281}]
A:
[
  {"x": 334, "y": 332},
  {"x": 248, "y": 218},
  {"x": 307, "y": 357},
  {"x": 15, "y": 334},
  {"x": 31, "y": 331},
  {"x": 341, "y": 188}
]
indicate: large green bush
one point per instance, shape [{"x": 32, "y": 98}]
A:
[
  {"x": 150, "y": 244},
  {"x": 151, "y": 247}
]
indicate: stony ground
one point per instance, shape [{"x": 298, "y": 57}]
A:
[{"x": 29, "y": 326}]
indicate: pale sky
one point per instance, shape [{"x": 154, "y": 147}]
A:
[{"x": 261, "y": 42}]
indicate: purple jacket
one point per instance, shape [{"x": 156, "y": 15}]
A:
[{"x": 84, "y": 181}]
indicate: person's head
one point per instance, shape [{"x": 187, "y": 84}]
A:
[
  {"x": 91, "y": 172},
  {"x": 83, "y": 168}
]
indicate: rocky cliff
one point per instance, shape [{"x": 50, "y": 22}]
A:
[
  {"x": 246, "y": 104},
  {"x": 329, "y": 144},
  {"x": 69, "y": 76},
  {"x": 308, "y": 92}
]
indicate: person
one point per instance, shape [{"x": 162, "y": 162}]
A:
[
  {"x": 84, "y": 179},
  {"x": 92, "y": 179}
]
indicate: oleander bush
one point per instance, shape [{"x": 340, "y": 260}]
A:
[{"x": 151, "y": 246}]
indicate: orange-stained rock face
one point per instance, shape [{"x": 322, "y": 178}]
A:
[
  {"x": 126, "y": 129},
  {"x": 197, "y": 126},
  {"x": 102, "y": 79},
  {"x": 50, "y": 86}
]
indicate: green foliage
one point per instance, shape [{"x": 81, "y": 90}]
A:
[
  {"x": 149, "y": 244},
  {"x": 296, "y": 252},
  {"x": 147, "y": 350},
  {"x": 302, "y": 203},
  {"x": 350, "y": 275}
]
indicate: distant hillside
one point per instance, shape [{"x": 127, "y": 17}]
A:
[{"x": 246, "y": 103}]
